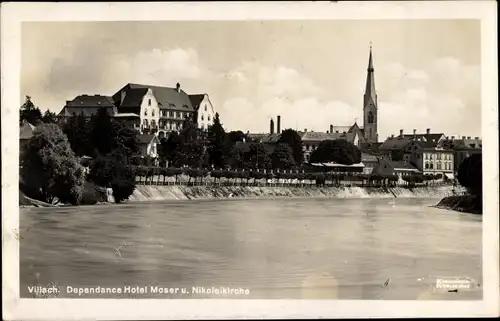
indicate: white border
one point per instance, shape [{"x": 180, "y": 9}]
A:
[{"x": 15, "y": 308}]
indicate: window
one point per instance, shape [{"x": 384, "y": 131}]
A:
[
  {"x": 205, "y": 107},
  {"x": 145, "y": 112},
  {"x": 202, "y": 117},
  {"x": 426, "y": 165},
  {"x": 179, "y": 115},
  {"x": 186, "y": 115},
  {"x": 370, "y": 118},
  {"x": 208, "y": 118},
  {"x": 438, "y": 165},
  {"x": 307, "y": 147},
  {"x": 171, "y": 114},
  {"x": 145, "y": 122},
  {"x": 149, "y": 102},
  {"x": 153, "y": 113},
  {"x": 431, "y": 166}
]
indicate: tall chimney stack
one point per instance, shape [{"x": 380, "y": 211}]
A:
[
  {"x": 278, "y": 130},
  {"x": 331, "y": 128},
  {"x": 178, "y": 87},
  {"x": 401, "y": 133},
  {"x": 414, "y": 132},
  {"x": 428, "y": 131},
  {"x": 271, "y": 125}
]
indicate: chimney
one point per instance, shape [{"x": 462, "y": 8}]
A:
[
  {"x": 463, "y": 137},
  {"x": 331, "y": 128},
  {"x": 271, "y": 125},
  {"x": 476, "y": 137},
  {"x": 336, "y": 131},
  {"x": 305, "y": 130},
  {"x": 452, "y": 137},
  {"x": 468, "y": 137},
  {"x": 392, "y": 136},
  {"x": 400, "y": 133},
  {"x": 278, "y": 130},
  {"x": 428, "y": 131},
  {"x": 414, "y": 132},
  {"x": 178, "y": 87}
]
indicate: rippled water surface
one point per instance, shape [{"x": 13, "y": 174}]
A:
[{"x": 282, "y": 248}]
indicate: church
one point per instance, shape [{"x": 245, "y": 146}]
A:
[{"x": 365, "y": 136}]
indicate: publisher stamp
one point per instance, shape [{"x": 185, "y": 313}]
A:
[{"x": 450, "y": 283}]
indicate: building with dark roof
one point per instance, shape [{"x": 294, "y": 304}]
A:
[
  {"x": 149, "y": 109},
  {"x": 463, "y": 147},
  {"x": 26, "y": 131}
]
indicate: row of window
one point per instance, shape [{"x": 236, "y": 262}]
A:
[
  {"x": 203, "y": 116},
  {"x": 170, "y": 124},
  {"x": 438, "y": 156},
  {"x": 447, "y": 166},
  {"x": 307, "y": 147}
]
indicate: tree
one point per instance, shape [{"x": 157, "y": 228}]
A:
[
  {"x": 470, "y": 174},
  {"x": 339, "y": 151},
  {"x": 256, "y": 157},
  {"x": 236, "y": 136},
  {"x": 216, "y": 143},
  {"x": 101, "y": 132},
  {"x": 113, "y": 171},
  {"x": 125, "y": 138},
  {"x": 77, "y": 130},
  {"x": 51, "y": 168},
  {"x": 282, "y": 157},
  {"x": 292, "y": 138},
  {"x": 170, "y": 146},
  {"x": 49, "y": 117},
  {"x": 30, "y": 113}
]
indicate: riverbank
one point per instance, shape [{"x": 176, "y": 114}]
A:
[
  {"x": 461, "y": 203},
  {"x": 178, "y": 192}
]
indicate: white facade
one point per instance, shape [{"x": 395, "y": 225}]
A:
[
  {"x": 150, "y": 112},
  {"x": 206, "y": 113}
]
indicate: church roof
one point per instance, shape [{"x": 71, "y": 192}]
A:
[{"x": 370, "y": 92}]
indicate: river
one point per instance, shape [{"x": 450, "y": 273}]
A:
[{"x": 274, "y": 248}]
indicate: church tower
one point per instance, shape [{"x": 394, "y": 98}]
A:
[{"x": 370, "y": 106}]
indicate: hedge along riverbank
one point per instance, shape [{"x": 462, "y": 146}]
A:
[{"x": 196, "y": 177}]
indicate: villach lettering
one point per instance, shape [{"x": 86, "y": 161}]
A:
[{"x": 220, "y": 290}]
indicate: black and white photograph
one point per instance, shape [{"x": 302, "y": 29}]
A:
[{"x": 308, "y": 158}]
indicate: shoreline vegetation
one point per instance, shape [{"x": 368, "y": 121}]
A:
[
  {"x": 466, "y": 203},
  {"x": 87, "y": 161}
]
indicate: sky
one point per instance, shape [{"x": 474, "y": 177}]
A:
[{"x": 312, "y": 73}]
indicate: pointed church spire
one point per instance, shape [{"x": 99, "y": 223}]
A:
[{"x": 370, "y": 79}]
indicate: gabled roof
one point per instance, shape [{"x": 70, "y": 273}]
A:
[
  {"x": 196, "y": 100},
  {"x": 401, "y": 165},
  {"x": 319, "y": 136},
  {"x": 341, "y": 129},
  {"x": 373, "y": 148},
  {"x": 26, "y": 130},
  {"x": 257, "y": 136},
  {"x": 146, "y": 138},
  {"x": 368, "y": 158},
  {"x": 91, "y": 101},
  {"x": 431, "y": 138},
  {"x": 464, "y": 143},
  {"x": 271, "y": 138},
  {"x": 397, "y": 143},
  {"x": 168, "y": 98}
]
